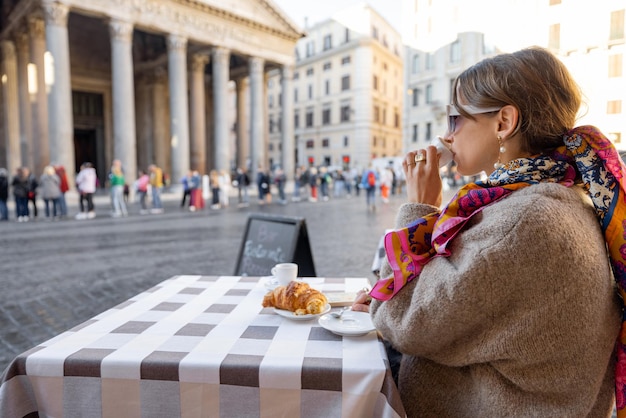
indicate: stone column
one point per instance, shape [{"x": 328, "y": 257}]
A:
[
  {"x": 40, "y": 145},
  {"x": 26, "y": 129},
  {"x": 222, "y": 156},
  {"x": 198, "y": 109},
  {"x": 11, "y": 111},
  {"x": 243, "y": 137},
  {"x": 161, "y": 154},
  {"x": 124, "y": 139},
  {"x": 179, "y": 108},
  {"x": 287, "y": 132},
  {"x": 257, "y": 126},
  {"x": 60, "y": 117}
]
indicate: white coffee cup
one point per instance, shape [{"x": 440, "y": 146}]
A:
[{"x": 285, "y": 272}]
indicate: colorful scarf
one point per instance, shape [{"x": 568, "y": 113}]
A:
[{"x": 586, "y": 156}]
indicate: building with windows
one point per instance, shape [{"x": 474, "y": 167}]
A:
[
  {"x": 346, "y": 94},
  {"x": 444, "y": 37},
  {"x": 143, "y": 81}
]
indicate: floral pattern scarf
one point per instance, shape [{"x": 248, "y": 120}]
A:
[{"x": 586, "y": 156}]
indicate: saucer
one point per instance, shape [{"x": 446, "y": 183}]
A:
[{"x": 351, "y": 324}]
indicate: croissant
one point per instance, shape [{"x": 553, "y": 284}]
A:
[{"x": 297, "y": 297}]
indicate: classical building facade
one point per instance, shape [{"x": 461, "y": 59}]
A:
[
  {"x": 443, "y": 38},
  {"x": 347, "y": 93},
  {"x": 143, "y": 81}
]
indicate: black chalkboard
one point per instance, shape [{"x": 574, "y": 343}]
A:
[{"x": 269, "y": 240}]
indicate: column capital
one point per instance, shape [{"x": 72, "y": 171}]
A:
[
  {"x": 287, "y": 72},
  {"x": 56, "y": 14},
  {"x": 256, "y": 64},
  {"x": 21, "y": 40},
  {"x": 8, "y": 50},
  {"x": 176, "y": 43},
  {"x": 121, "y": 30},
  {"x": 198, "y": 62},
  {"x": 36, "y": 27}
]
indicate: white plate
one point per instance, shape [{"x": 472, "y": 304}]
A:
[
  {"x": 290, "y": 315},
  {"x": 351, "y": 324}
]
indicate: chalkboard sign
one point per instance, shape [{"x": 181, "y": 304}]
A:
[{"x": 269, "y": 240}]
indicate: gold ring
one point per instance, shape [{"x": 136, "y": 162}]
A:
[
  {"x": 420, "y": 157},
  {"x": 410, "y": 163}
]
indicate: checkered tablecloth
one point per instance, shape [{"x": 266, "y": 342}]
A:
[{"x": 203, "y": 346}]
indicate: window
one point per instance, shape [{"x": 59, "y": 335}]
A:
[
  {"x": 326, "y": 116},
  {"x": 430, "y": 61},
  {"x": 414, "y": 134},
  {"x": 415, "y": 66},
  {"x": 376, "y": 114},
  {"x": 396, "y": 118},
  {"x": 279, "y": 124},
  {"x": 617, "y": 25},
  {"x": 345, "y": 83},
  {"x": 346, "y": 36},
  {"x": 327, "y": 87},
  {"x": 296, "y": 75},
  {"x": 309, "y": 118},
  {"x": 270, "y": 98},
  {"x": 615, "y": 65},
  {"x": 328, "y": 42},
  {"x": 554, "y": 36},
  {"x": 310, "y": 91},
  {"x": 310, "y": 144},
  {"x": 345, "y": 113},
  {"x": 375, "y": 83},
  {"x": 271, "y": 125},
  {"x": 327, "y": 66},
  {"x": 416, "y": 97},
  {"x": 429, "y": 93},
  {"x": 429, "y": 133},
  {"x": 295, "y": 95},
  {"x": 384, "y": 118},
  {"x": 280, "y": 100},
  {"x": 455, "y": 52},
  {"x": 296, "y": 120},
  {"x": 614, "y": 107},
  {"x": 375, "y": 32},
  {"x": 345, "y": 60},
  {"x": 309, "y": 72},
  {"x": 616, "y": 138},
  {"x": 310, "y": 49},
  {"x": 325, "y": 143},
  {"x": 346, "y": 142}
]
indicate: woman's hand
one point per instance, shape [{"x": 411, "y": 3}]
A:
[
  {"x": 423, "y": 182},
  {"x": 362, "y": 301}
]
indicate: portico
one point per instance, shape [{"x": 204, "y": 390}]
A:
[{"x": 178, "y": 83}]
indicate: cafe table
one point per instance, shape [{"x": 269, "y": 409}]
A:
[{"x": 203, "y": 346}]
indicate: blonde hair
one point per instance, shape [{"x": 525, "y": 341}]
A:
[
  {"x": 49, "y": 170},
  {"x": 534, "y": 81}
]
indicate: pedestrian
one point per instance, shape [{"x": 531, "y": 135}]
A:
[
  {"x": 141, "y": 188},
  {"x": 20, "y": 185},
  {"x": 313, "y": 184},
  {"x": 243, "y": 182},
  {"x": 197, "y": 200},
  {"x": 50, "y": 185},
  {"x": 60, "y": 171},
  {"x": 186, "y": 182},
  {"x": 369, "y": 182},
  {"x": 86, "y": 181},
  {"x": 4, "y": 194},
  {"x": 156, "y": 186},
  {"x": 504, "y": 303},
  {"x": 386, "y": 184},
  {"x": 324, "y": 181},
  {"x": 33, "y": 185},
  {"x": 225, "y": 186},
  {"x": 279, "y": 180},
  {"x": 117, "y": 182},
  {"x": 298, "y": 184},
  {"x": 263, "y": 186},
  {"x": 214, "y": 181}
]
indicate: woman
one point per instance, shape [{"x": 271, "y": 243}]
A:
[
  {"x": 503, "y": 303},
  {"x": 51, "y": 191}
]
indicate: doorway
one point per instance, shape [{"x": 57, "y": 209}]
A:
[{"x": 85, "y": 149}]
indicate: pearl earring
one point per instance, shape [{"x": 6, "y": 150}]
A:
[{"x": 502, "y": 150}]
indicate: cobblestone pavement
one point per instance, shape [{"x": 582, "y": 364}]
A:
[{"x": 55, "y": 275}]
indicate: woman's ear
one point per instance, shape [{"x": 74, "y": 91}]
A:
[{"x": 507, "y": 121}]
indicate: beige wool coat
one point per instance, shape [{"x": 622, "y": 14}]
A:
[{"x": 520, "y": 321}]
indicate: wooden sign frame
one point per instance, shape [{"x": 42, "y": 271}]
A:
[{"x": 273, "y": 239}]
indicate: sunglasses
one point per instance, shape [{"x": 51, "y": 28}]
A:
[{"x": 452, "y": 112}]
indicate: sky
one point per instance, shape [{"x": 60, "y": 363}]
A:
[{"x": 318, "y": 10}]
